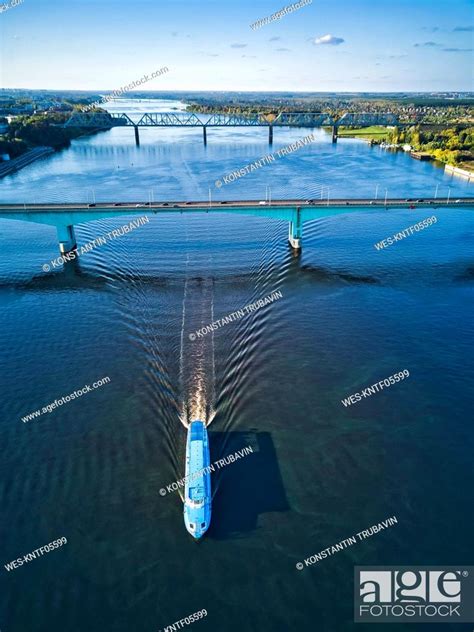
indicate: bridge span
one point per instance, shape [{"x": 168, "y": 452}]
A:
[
  {"x": 103, "y": 120},
  {"x": 65, "y": 216}
]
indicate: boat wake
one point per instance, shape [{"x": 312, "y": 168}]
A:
[{"x": 197, "y": 360}]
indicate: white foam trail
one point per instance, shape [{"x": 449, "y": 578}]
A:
[
  {"x": 183, "y": 416},
  {"x": 197, "y": 357},
  {"x": 211, "y": 411}
]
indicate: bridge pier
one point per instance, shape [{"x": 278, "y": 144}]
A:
[
  {"x": 295, "y": 230},
  {"x": 204, "y": 134},
  {"x": 137, "y": 137},
  {"x": 334, "y": 133},
  {"x": 270, "y": 134},
  {"x": 66, "y": 238}
]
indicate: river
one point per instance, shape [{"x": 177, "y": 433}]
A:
[{"x": 349, "y": 316}]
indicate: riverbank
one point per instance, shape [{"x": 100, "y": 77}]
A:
[
  {"x": 134, "y": 168},
  {"x": 462, "y": 172},
  {"x": 10, "y": 166},
  {"x": 26, "y": 138}
]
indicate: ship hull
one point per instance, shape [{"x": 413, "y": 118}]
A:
[{"x": 197, "y": 496}]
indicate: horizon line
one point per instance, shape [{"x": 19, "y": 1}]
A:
[{"x": 217, "y": 91}]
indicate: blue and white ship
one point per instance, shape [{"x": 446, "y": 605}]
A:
[{"x": 197, "y": 496}]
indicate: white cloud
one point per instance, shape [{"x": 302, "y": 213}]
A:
[
  {"x": 329, "y": 39},
  {"x": 427, "y": 45}
]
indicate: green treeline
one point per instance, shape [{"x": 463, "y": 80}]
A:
[
  {"x": 453, "y": 145},
  {"x": 30, "y": 131}
]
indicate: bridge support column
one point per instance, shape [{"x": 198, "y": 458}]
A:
[
  {"x": 295, "y": 231},
  {"x": 66, "y": 238},
  {"x": 204, "y": 134},
  {"x": 270, "y": 134},
  {"x": 137, "y": 137},
  {"x": 334, "y": 134}
]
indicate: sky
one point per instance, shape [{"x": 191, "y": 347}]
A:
[{"x": 335, "y": 45}]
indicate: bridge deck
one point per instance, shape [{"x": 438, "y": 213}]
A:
[
  {"x": 64, "y": 216},
  {"x": 235, "y": 205}
]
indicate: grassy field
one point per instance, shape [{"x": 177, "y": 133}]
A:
[{"x": 375, "y": 132}]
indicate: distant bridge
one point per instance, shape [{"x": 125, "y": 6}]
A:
[
  {"x": 64, "y": 216},
  {"x": 103, "y": 120}
]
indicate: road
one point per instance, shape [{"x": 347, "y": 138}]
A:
[{"x": 238, "y": 204}]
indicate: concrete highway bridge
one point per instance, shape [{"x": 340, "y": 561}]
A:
[
  {"x": 64, "y": 216},
  {"x": 103, "y": 120}
]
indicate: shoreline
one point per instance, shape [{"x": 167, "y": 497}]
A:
[
  {"x": 16, "y": 164},
  {"x": 459, "y": 171}
]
